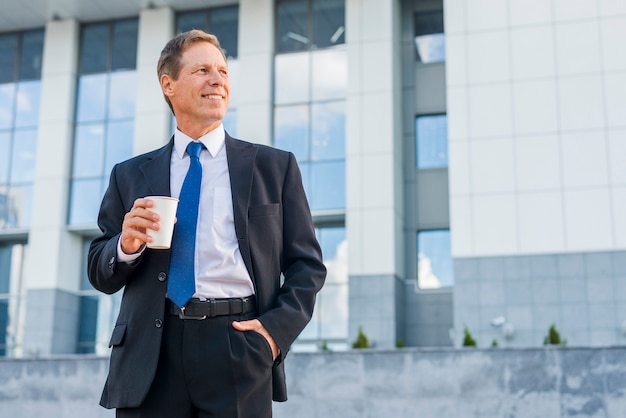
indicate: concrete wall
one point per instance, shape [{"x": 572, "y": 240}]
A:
[{"x": 512, "y": 383}]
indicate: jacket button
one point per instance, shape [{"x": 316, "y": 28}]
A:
[
  {"x": 162, "y": 276},
  {"x": 158, "y": 323},
  {"x": 111, "y": 263}
]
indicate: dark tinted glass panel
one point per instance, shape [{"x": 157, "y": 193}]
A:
[
  {"x": 192, "y": 20},
  {"x": 94, "y": 48},
  {"x": 124, "y": 46},
  {"x": 292, "y": 29},
  {"x": 434, "y": 259},
  {"x": 8, "y": 57},
  {"x": 5, "y": 268},
  {"x": 328, "y": 23},
  {"x": 432, "y": 141},
  {"x": 87, "y": 324},
  {"x": 427, "y": 23},
  {"x": 4, "y": 323},
  {"x": 224, "y": 23},
  {"x": 31, "y": 56}
]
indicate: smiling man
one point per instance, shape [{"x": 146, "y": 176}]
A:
[{"x": 204, "y": 327}]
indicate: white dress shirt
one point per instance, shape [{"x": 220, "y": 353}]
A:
[{"x": 219, "y": 267}]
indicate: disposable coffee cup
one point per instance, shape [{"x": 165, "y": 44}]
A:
[{"x": 166, "y": 208}]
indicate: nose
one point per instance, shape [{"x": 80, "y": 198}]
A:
[{"x": 215, "y": 78}]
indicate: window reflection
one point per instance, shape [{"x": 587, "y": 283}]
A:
[
  {"x": 309, "y": 24},
  {"x": 328, "y": 131},
  {"x": 221, "y": 21},
  {"x": 431, "y": 141},
  {"x": 105, "y": 112},
  {"x": 434, "y": 259},
  {"x": 329, "y": 75},
  {"x": 329, "y": 323},
  {"x": 121, "y": 103},
  {"x": 429, "y": 37},
  {"x": 27, "y": 104},
  {"x": 20, "y": 96},
  {"x": 291, "y": 75},
  {"x": 291, "y": 132},
  {"x": 91, "y": 103},
  {"x": 13, "y": 257},
  {"x": 328, "y": 188}
]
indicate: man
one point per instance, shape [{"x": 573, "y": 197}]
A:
[{"x": 221, "y": 353}]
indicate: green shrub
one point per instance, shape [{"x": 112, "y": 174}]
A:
[
  {"x": 553, "y": 337},
  {"x": 361, "y": 340},
  {"x": 468, "y": 340}
]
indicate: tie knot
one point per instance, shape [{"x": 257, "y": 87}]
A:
[{"x": 194, "y": 148}]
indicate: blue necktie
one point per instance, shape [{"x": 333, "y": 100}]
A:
[{"x": 181, "y": 284}]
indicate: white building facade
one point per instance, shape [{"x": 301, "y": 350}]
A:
[{"x": 472, "y": 176}]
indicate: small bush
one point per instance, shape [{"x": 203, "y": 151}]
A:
[
  {"x": 468, "y": 340},
  {"x": 361, "y": 340},
  {"x": 553, "y": 337}
]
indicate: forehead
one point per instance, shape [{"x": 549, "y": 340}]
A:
[{"x": 202, "y": 53}]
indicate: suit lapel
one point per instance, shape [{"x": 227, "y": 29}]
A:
[
  {"x": 240, "y": 156},
  {"x": 156, "y": 171}
]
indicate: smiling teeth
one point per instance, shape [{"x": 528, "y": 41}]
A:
[{"x": 212, "y": 96}]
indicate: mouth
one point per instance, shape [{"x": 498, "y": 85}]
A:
[{"x": 213, "y": 96}]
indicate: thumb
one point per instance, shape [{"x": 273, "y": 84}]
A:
[{"x": 250, "y": 325}]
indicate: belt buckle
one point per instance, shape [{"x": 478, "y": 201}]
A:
[{"x": 182, "y": 315}]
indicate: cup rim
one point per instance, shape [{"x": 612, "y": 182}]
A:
[{"x": 160, "y": 197}]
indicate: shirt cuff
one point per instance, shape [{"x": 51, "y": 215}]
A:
[{"x": 127, "y": 258}]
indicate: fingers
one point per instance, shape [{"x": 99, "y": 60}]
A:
[
  {"x": 257, "y": 326},
  {"x": 136, "y": 222}
]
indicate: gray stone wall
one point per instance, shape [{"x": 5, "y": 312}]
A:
[{"x": 511, "y": 383}]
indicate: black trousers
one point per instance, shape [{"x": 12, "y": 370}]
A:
[{"x": 209, "y": 369}]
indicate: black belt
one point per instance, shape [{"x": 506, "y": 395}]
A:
[{"x": 202, "y": 309}]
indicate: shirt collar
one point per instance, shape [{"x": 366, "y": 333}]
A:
[{"x": 213, "y": 141}]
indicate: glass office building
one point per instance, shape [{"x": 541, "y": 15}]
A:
[{"x": 464, "y": 160}]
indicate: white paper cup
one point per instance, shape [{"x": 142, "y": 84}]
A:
[{"x": 166, "y": 208}]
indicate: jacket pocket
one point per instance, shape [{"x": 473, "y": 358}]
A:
[
  {"x": 264, "y": 210},
  {"x": 117, "y": 337}
]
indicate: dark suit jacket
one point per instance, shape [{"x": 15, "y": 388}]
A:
[{"x": 275, "y": 234}]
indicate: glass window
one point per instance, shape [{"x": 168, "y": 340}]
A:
[
  {"x": 431, "y": 137},
  {"x": 304, "y": 25},
  {"x": 223, "y": 22},
  {"x": 8, "y": 57},
  {"x": 290, "y": 73},
  {"x": 328, "y": 23},
  {"x": 291, "y": 131},
  {"x": 20, "y": 97},
  {"x": 435, "y": 268},
  {"x": 293, "y": 25},
  {"x": 429, "y": 37},
  {"x": 328, "y": 186},
  {"x": 328, "y": 137},
  {"x": 329, "y": 75},
  {"x": 12, "y": 260},
  {"x": 31, "y": 55},
  {"x": 329, "y": 324},
  {"x": 105, "y": 112}
]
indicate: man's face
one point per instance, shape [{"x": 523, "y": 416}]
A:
[{"x": 201, "y": 94}]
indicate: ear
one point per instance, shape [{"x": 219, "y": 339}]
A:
[{"x": 167, "y": 85}]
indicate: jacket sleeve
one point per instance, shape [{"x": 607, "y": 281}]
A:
[
  {"x": 301, "y": 265},
  {"x": 105, "y": 272}
]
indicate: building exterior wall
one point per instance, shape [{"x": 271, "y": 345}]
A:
[{"x": 536, "y": 177}]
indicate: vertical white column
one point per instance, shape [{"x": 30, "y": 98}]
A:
[
  {"x": 256, "y": 55},
  {"x": 53, "y": 274},
  {"x": 152, "y": 115},
  {"x": 54, "y": 250},
  {"x": 374, "y": 167}
]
